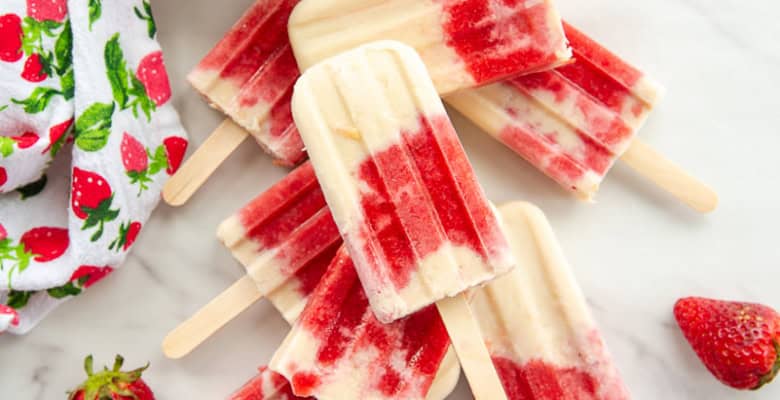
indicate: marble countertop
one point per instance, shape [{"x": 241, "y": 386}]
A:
[{"x": 635, "y": 251}]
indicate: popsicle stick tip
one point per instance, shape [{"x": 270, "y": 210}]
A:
[{"x": 171, "y": 347}]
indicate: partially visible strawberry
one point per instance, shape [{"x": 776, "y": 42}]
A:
[
  {"x": 26, "y": 140},
  {"x": 128, "y": 232},
  {"x": 8, "y": 312},
  {"x": 45, "y": 243},
  {"x": 55, "y": 135},
  {"x": 134, "y": 156},
  {"x": 10, "y": 38},
  {"x": 738, "y": 342},
  {"x": 152, "y": 74},
  {"x": 175, "y": 148},
  {"x": 42, "y": 10},
  {"x": 112, "y": 384},
  {"x": 3, "y": 233},
  {"x": 3, "y": 176},
  {"x": 33, "y": 69},
  {"x": 91, "y": 200},
  {"x": 91, "y": 273}
]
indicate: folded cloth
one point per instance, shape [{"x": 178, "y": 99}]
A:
[{"x": 87, "y": 139}]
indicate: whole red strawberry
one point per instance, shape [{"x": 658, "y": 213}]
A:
[
  {"x": 33, "y": 69},
  {"x": 134, "y": 156},
  {"x": 10, "y": 38},
  {"x": 26, "y": 140},
  {"x": 152, "y": 74},
  {"x": 91, "y": 200},
  {"x": 175, "y": 148},
  {"x": 42, "y": 10},
  {"x": 738, "y": 342},
  {"x": 112, "y": 384},
  {"x": 45, "y": 243}
]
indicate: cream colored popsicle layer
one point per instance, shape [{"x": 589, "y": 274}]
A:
[
  {"x": 397, "y": 180},
  {"x": 573, "y": 122},
  {"x": 464, "y": 43},
  {"x": 537, "y": 325},
  {"x": 249, "y": 76}
]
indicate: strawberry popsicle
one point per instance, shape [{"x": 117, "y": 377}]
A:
[
  {"x": 339, "y": 350},
  {"x": 266, "y": 385},
  {"x": 536, "y": 322},
  {"x": 402, "y": 192},
  {"x": 574, "y": 122},
  {"x": 464, "y": 43}
]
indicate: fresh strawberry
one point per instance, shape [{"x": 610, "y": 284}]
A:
[
  {"x": 55, "y": 136},
  {"x": 134, "y": 156},
  {"x": 33, "y": 69},
  {"x": 90, "y": 274},
  {"x": 175, "y": 147},
  {"x": 128, "y": 232},
  {"x": 45, "y": 243},
  {"x": 152, "y": 74},
  {"x": 738, "y": 342},
  {"x": 112, "y": 384},
  {"x": 8, "y": 312},
  {"x": 26, "y": 140},
  {"x": 91, "y": 199},
  {"x": 10, "y": 38},
  {"x": 3, "y": 176},
  {"x": 42, "y": 10}
]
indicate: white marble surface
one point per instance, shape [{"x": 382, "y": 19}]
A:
[{"x": 635, "y": 251}]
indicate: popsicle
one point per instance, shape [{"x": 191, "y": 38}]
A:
[
  {"x": 285, "y": 238},
  {"x": 537, "y": 324},
  {"x": 266, "y": 385},
  {"x": 339, "y": 350},
  {"x": 574, "y": 122},
  {"x": 249, "y": 76},
  {"x": 464, "y": 43},
  {"x": 402, "y": 192}
]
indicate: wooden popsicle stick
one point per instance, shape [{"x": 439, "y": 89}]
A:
[
  {"x": 194, "y": 172},
  {"x": 213, "y": 316},
  {"x": 467, "y": 341},
  {"x": 664, "y": 173}
]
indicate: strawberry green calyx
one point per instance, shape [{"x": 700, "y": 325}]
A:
[
  {"x": 107, "y": 383},
  {"x": 775, "y": 368}
]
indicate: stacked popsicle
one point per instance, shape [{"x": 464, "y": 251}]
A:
[{"x": 376, "y": 241}]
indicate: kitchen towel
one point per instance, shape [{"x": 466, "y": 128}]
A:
[{"x": 87, "y": 139}]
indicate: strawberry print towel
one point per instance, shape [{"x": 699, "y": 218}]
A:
[{"x": 87, "y": 139}]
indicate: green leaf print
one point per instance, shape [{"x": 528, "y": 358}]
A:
[
  {"x": 68, "y": 84},
  {"x": 63, "y": 50},
  {"x": 33, "y": 189},
  {"x": 18, "y": 299},
  {"x": 60, "y": 292},
  {"x": 95, "y": 11},
  {"x": 38, "y": 100},
  {"x": 94, "y": 126},
  {"x": 6, "y": 146},
  {"x": 146, "y": 15},
  {"x": 116, "y": 69}
]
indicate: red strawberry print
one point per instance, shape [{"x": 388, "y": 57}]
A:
[
  {"x": 134, "y": 156},
  {"x": 91, "y": 273},
  {"x": 55, "y": 135},
  {"x": 10, "y": 38},
  {"x": 3, "y": 176},
  {"x": 738, "y": 342},
  {"x": 26, "y": 140},
  {"x": 152, "y": 74},
  {"x": 112, "y": 384},
  {"x": 5, "y": 311},
  {"x": 127, "y": 235},
  {"x": 3, "y": 233},
  {"x": 33, "y": 69},
  {"x": 46, "y": 244},
  {"x": 175, "y": 147},
  {"x": 91, "y": 199},
  {"x": 42, "y": 10}
]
